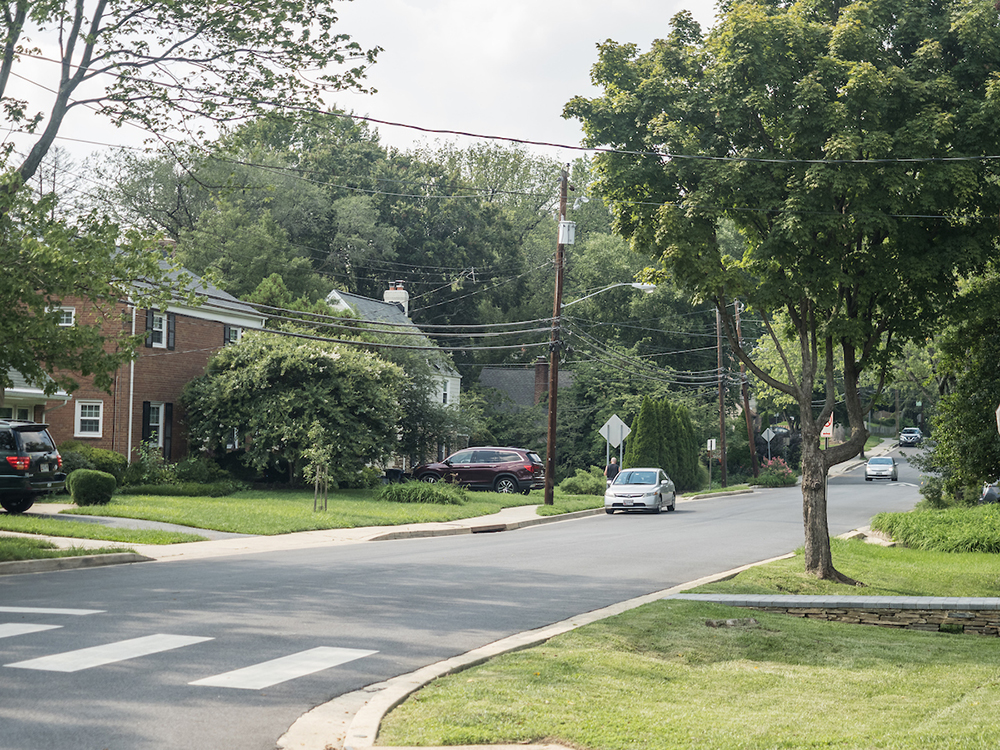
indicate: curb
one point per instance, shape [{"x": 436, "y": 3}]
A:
[
  {"x": 70, "y": 563},
  {"x": 351, "y": 721},
  {"x": 486, "y": 528}
]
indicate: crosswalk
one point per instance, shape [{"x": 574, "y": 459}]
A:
[{"x": 250, "y": 677}]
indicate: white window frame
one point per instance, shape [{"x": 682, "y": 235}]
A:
[
  {"x": 235, "y": 334},
  {"x": 15, "y": 413},
  {"x": 63, "y": 313},
  {"x": 80, "y": 416},
  {"x": 156, "y": 407},
  {"x": 158, "y": 333},
  {"x": 444, "y": 393}
]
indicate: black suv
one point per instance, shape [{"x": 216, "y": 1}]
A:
[
  {"x": 30, "y": 465},
  {"x": 488, "y": 468}
]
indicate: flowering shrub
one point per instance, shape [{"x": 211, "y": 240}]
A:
[{"x": 775, "y": 473}]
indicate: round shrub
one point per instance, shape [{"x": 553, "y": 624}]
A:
[
  {"x": 591, "y": 482},
  {"x": 423, "y": 492},
  {"x": 107, "y": 461},
  {"x": 92, "y": 487},
  {"x": 200, "y": 469},
  {"x": 73, "y": 460}
]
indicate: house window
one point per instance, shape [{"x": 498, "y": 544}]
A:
[
  {"x": 158, "y": 333},
  {"x": 231, "y": 335},
  {"x": 157, "y": 425},
  {"x": 67, "y": 316},
  {"x": 15, "y": 412},
  {"x": 160, "y": 329},
  {"x": 444, "y": 392},
  {"x": 89, "y": 419}
]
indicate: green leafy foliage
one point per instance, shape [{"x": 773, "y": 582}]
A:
[
  {"x": 272, "y": 389},
  {"x": 91, "y": 487},
  {"x": 951, "y": 530},
  {"x": 592, "y": 482},
  {"x": 774, "y": 473},
  {"x": 423, "y": 492},
  {"x": 663, "y": 436}
]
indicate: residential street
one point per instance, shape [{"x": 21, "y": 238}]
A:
[{"x": 179, "y": 639}]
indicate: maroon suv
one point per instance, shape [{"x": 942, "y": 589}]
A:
[{"x": 488, "y": 468}]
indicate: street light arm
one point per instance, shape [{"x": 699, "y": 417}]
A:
[{"x": 646, "y": 288}]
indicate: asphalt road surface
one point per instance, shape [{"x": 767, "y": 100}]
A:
[{"x": 227, "y": 653}]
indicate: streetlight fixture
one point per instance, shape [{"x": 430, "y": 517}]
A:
[
  {"x": 645, "y": 288},
  {"x": 556, "y": 343}
]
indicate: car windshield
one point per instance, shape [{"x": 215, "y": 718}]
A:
[
  {"x": 36, "y": 441},
  {"x": 636, "y": 477},
  {"x": 880, "y": 461}
]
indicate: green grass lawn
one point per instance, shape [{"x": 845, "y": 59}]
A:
[
  {"x": 21, "y": 548},
  {"x": 79, "y": 530},
  {"x": 282, "y": 512},
  {"x": 658, "y": 677}
]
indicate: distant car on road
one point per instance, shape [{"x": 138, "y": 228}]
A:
[
  {"x": 881, "y": 467},
  {"x": 910, "y": 436},
  {"x": 991, "y": 493},
  {"x": 648, "y": 489}
]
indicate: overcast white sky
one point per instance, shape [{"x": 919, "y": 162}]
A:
[{"x": 490, "y": 68}]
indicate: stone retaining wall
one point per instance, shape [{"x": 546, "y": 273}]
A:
[{"x": 983, "y": 622}]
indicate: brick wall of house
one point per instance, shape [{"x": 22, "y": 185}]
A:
[{"x": 160, "y": 375}]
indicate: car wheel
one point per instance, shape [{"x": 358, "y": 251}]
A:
[
  {"x": 429, "y": 478},
  {"x": 895, "y": 479},
  {"x": 506, "y": 485},
  {"x": 17, "y": 504},
  {"x": 673, "y": 503},
  {"x": 868, "y": 479},
  {"x": 609, "y": 511},
  {"x": 525, "y": 492}
]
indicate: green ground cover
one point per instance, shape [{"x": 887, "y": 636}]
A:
[
  {"x": 29, "y": 524},
  {"x": 21, "y": 548},
  {"x": 659, "y": 677},
  {"x": 282, "y": 512}
]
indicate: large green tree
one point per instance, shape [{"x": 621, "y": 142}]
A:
[
  {"x": 270, "y": 390},
  {"x": 846, "y": 143},
  {"x": 153, "y": 64}
]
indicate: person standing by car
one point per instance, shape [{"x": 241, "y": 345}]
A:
[{"x": 611, "y": 470}]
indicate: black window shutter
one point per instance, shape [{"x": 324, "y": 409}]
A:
[
  {"x": 146, "y": 430},
  {"x": 171, "y": 329},
  {"x": 149, "y": 327},
  {"x": 225, "y": 334},
  {"x": 168, "y": 429}
]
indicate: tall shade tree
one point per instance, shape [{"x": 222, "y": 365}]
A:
[
  {"x": 160, "y": 64},
  {"x": 848, "y": 144}
]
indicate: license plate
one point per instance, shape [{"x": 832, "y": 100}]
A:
[
  {"x": 44, "y": 468},
  {"x": 628, "y": 501}
]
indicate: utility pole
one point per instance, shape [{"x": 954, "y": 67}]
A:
[
  {"x": 722, "y": 402},
  {"x": 555, "y": 344},
  {"x": 746, "y": 397}
]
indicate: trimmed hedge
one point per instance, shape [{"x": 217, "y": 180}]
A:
[
  {"x": 423, "y": 492},
  {"x": 185, "y": 489},
  {"x": 92, "y": 487}
]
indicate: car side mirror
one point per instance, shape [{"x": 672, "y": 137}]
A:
[{"x": 447, "y": 462}]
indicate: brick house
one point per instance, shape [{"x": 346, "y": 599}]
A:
[{"x": 144, "y": 401}]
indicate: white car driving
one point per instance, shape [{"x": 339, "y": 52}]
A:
[{"x": 649, "y": 490}]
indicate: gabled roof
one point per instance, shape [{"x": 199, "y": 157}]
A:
[
  {"x": 377, "y": 311},
  {"x": 216, "y": 303}
]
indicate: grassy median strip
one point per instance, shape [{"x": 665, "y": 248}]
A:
[
  {"x": 282, "y": 512},
  {"x": 81, "y": 530},
  {"x": 20, "y": 548},
  {"x": 659, "y": 677}
]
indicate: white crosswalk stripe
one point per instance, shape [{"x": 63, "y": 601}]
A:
[
  {"x": 286, "y": 668},
  {"x": 95, "y": 656},
  {"x": 50, "y": 611},
  {"x": 10, "y": 629}
]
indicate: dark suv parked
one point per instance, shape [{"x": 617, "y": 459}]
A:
[
  {"x": 488, "y": 468},
  {"x": 30, "y": 465}
]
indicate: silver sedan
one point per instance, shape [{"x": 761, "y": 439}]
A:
[
  {"x": 881, "y": 467},
  {"x": 647, "y": 489}
]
